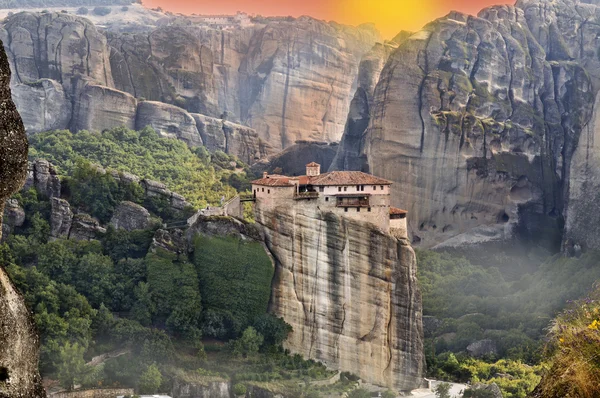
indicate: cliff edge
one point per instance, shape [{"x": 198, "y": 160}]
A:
[
  {"x": 19, "y": 342},
  {"x": 349, "y": 291}
]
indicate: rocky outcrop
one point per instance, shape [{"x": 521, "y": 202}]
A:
[
  {"x": 43, "y": 105},
  {"x": 14, "y": 215},
  {"x": 61, "y": 218},
  {"x": 130, "y": 216},
  {"x": 231, "y": 138},
  {"x": 85, "y": 227},
  {"x": 169, "y": 121},
  {"x": 42, "y": 175},
  {"x": 19, "y": 342},
  {"x": 287, "y": 79},
  {"x": 349, "y": 155},
  {"x": 476, "y": 120},
  {"x": 99, "y": 107},
  {"x": 487, "y": 390},
  {"x": 350, "y": 293}
]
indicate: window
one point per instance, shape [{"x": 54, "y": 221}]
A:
[
  {"x": 358, "y": 188},
  {"x": 339, "y": 189},
  {"x": 358, "y": 209},
  {"x": 327, "y": 199},
  {"x": 255, "y": 191},
  {"x": 381, "y": 187},
  {"x": 369, "y": 210},
  {"x": 345, "y": 188},
  {"x": 346, "y": 209},
  {"x": 268, "y": 191},
  {"x": 374, "y": 187},
  {"x": 321, "y": 189},
  {"x": 263, "y": 190},
  {"x": 362, "y": 187}
]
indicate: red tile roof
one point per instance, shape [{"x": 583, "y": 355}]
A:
[
  {"x": 274, "y": 181},
  {"x": 397, "y": 211},
  {"x": 347, "y": 178},
  {"x": 325, "y": 179},
  {"x": 312, "y": 164}
]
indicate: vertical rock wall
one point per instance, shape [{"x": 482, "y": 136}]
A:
[
  {"x": 19, "y": 343},
  {"x": 350, "y": 293}
]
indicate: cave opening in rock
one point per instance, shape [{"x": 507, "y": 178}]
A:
[{"x": 3, "y": 374}]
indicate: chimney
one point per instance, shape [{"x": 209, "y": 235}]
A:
[
  {"x": 313, "y": 169},
  {"x": 265, "y": 174}
]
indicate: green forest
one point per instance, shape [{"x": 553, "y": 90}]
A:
[
  {"x": 473, "y": 302},
  {"x": 199, "y": 312},
  {"x": 165, "y": 312}
]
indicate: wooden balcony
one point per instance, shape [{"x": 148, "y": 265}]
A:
[
  {"x": 356, "y": 201},
  {"x": 306, "y": 195}
]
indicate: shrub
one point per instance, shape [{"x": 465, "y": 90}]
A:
[
  {"x": 101, "y": 11},
  {"x": 239, "y": 389}
]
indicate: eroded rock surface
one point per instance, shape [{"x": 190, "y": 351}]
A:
[
  {"x": 42, "y": 175},
  {"x": 19, "y": 342},
  {"x": 477, "y": 120},
  {"x": 130, "y": 216},
  {"x": 279, "y": 80},
  {"x": 350, "y": 293}
]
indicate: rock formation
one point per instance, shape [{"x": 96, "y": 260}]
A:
[
  {"x": 350, "y": 293},
  {"x": 484, "y": 125},
  {"x": 42, "y": 175},
  {"x": 349, "y": 155},
  {"x": 19, "y": 342},
  {"x": 61, "y": 218},
  {"x": 232, "y": 138},
  {"x": 169, "y": 121},
  {"x": 130, "y": 216},
  {"x": 286, "y": 79}
]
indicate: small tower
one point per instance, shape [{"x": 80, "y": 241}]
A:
[{"x": 313, "y": 169}]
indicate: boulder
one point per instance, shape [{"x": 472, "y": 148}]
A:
[
  {"x": 491, "y": 390},
  {"x": 85, "y": 227},
  {"x": 130, "y": 216}
]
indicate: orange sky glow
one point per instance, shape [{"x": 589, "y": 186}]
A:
[{"x": 390, "y": 16}]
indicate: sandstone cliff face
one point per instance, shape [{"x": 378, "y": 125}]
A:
[
  {"x": 19, "y": 342},
  {"x": 349, "y": 155},
  {"x": 231, "y": 138},
  {"x": 476, "y": 119},
  {"x": 285, "y": 79},
  {"x": 350, "y": 293}
]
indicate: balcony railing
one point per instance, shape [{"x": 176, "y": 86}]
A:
[
  {"x": 306, "y": 195},
  {"x": 353, "y": 202}
]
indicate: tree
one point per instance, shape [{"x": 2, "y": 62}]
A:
[
  {"x": 71, "y": 368},
  {"x": 150, "y": 380},
  {"x": 274, "y": 330},
  {"x": 143, "y": 308},
  {"x": 248, "y": 344},
  {"x": 442, "y": 390}
]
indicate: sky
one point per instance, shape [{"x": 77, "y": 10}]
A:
[{"x": 390, "y": 16}]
